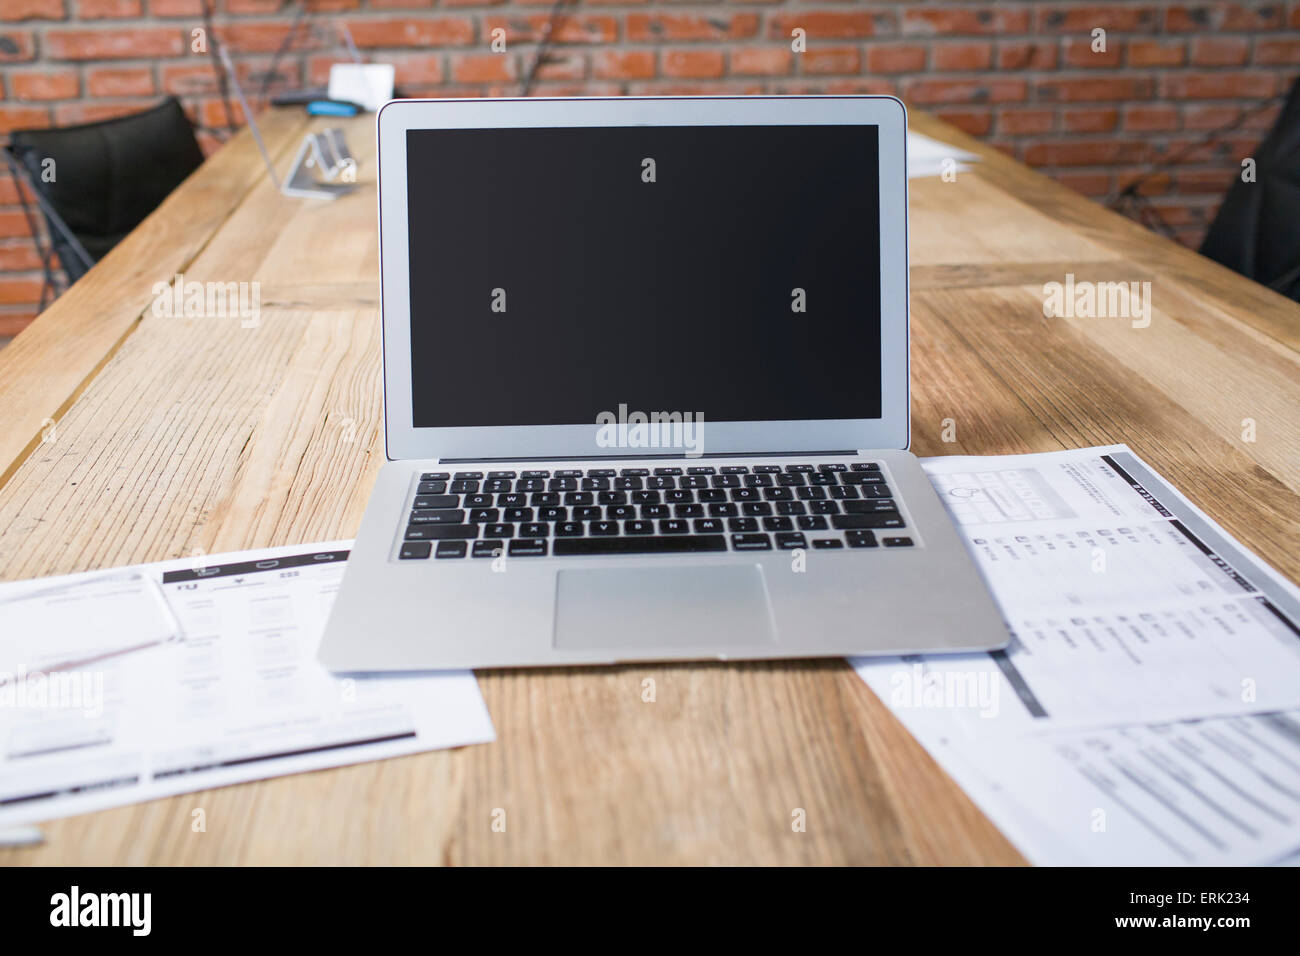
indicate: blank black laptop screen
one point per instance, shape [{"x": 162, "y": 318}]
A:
[{"x": 730, "y": 271}]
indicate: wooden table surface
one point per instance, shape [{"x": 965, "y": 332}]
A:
[{"x": 128, "y": 438}]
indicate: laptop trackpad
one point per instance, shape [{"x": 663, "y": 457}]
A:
[{"x": 645, "y": 609}]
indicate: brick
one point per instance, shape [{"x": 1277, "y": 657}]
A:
[
  {"x": 1277, "y": 52},
  {"x": 114, "y": 44},
  {"x": 483, "y": 68},
  {"x": 13, "y": 321},
  {"x": 623, "y": 64},
  {"x": 826, "y": 25},
  {"x": 563, "y": 65},
  {"x": 656, "y": 27},
  {"x": 974, "y": 122},
  {"x": 1220, "y": 51},
  {"x": 23, "y": 117},
  {"x": 1026, "y": 55},
  {"x": 1151, "y": 119},
  {"x": 1084, "y": 153},
  {"x": 984, "y": 90},
  {"x": 46, "y": 85},
  {"x": 530, "y": 29},
  {"x": 1089, "y": 184},
  {"x": 256, "y": 6},
  {"x": 1157, "y": 53},
  {"x": 71, "y": 114},
  {"x": 181, "y": 8},
  {"x": 188, "y": 79},
  {"x": 962, "y": 56},
  {"x": 896, "y": 58},
  {"x": 772, "y": 61},
  {"x": 1080, "y": 53},
  {"x": 1223, "y": 17},
  {"x": 132, "y": 81},
  {"x": 109, "y": 9},
  {"x": 14, "y": 10},
  {"x": 822, "y": 59},
  {"x": 1022, "y": 121},
  {"x": 1095, "y": 88},
  {"x": 19, "y": 257},
  {"x": 693, "y": 64},
  {"x": 1119, "y": 17},
  {"x": 955, "y": 21},
  {"x": 20, "y": 291},
  {"x": 1206, "y": 86},
  {"x": 409, "y": 32},
  {"x": 414, "y": 69},
  {"x": 17, "y": 46},
  {"x": 1214, "y": 182},
  {"x": 1092, "y": 120},
  {"x": 13, "y": 223}
]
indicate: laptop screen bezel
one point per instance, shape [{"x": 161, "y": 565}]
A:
[{"x": 403, "y": 440}]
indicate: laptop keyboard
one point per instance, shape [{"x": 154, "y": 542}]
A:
[{"x": 667, "y": 510}]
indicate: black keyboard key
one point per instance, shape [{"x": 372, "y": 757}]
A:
[
  {"x": 419, "y": 532},
  {"x": 832, "y": 467},
  {"x": 789, "y": 540},
  {"x": 638, "y": 527},
  {"x": 437, "y": 501},
  {"x": 641, "y": 544},
  {"x": 751, "y": 542},
  {"x": 497, "y": 485},
  {"x": 899, "y": 542},
  {"x": 844, "y": 492},
  {"x": 494, "y": 475},
  {"x": 865, "y": 466},
  {"x": 452, "y": 532},
  {"x": 725, "y": 481},
  {"x": 694, "y": 481},
  {"x": 790, "y": 508},
  {"x": 545, "y": 499},
  {"x": 688, "y": 511},
  {"x": 875, "y": 491},
  {"x": 674, "y": 526},
  {"x": 679, "y": 497},
  {"x": 478, "y": 501},
  {"x": 790, "y": 480},
  {"x": 415, "y": 550},
  {"x": 468, "y": 476},
  {"x": 708, "y": 526},
  {"x": 654, "y": 511},
  {"x": 661, "y": 482},
  {"x": 518, "y": 514},
  {"x": 487, "y": 549},
  {"x": 700, "y": 470},
  {"x": 811, "y": 493},
  {"x": 586, "y": 513},
  {"x": 736, "y": 470},
  {"x": 446, "y": 516},
  {"x": 534, "y": 530},
  {"x": 431, "y": 488},
  {"x": 803, "y": 469},
  {"x": 778, "y": 494},
  {"x": 871, "y": 506},
  {"x": 628, "y": 484},
  {"x": 645, "y": 497},
  {"x": 767, "y": 469},
  {"x": 861, "y": 539},
  {"x": 463, "y": 487},
  {"x": 778, "y": 524},
  {"x": 484, "y": 515},
  {"x": 823, "y": 544},
  {"x": 724, "y": 510},
  {"x": 569, "y": 473},
  {"x": 451, "y": 549},
  {"x": 535, "y": 473},
  {"x": 827, "y": 507},
  {"x": 581, "y": 498},
  {"x": 601, "y": 473},
  {"x": 812, "y": 523},
  {"x": 620, "y": 512},
  {"x": 634, "y": 472},
  {"x": 531, "y": 484},
  {"x": 562, "y": 484},
  {"x": 596, "y": 484},
  {"x": 667, "y": 471},
  {"x": 499, "y": 531},
  {"x": 435, "y": 476},
  {"x": 746, "y": 494},
  {"x": 742, "y": 524},
  {"x": 612, "y": 497},
  {"x": 822, "y": 478},
  {"x": 568, "y": 529},
  {"x": 552, "y": 514},
  {"x": 756, "y": 509},
  {"x": 759, "y": 481},
  {"x": 862, "y": 478},
  {"x": 885, "y": 520},
  {"x": 527, "y": 548},
  {"x": 602, "y": 527}
]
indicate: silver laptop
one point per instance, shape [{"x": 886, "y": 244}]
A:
[{"x": 646, "y": 392}]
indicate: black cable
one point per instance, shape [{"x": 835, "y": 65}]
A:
[
  {"x": 552, "y": 23},
  {"x": 284, "y": 48}
]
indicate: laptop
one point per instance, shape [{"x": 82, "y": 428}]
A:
[{"x": 646, "y": 392}]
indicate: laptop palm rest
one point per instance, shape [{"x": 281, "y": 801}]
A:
[{"x": 601, "y": 609}]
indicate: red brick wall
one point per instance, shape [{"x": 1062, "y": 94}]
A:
[{"x": 1021, "y": 74}]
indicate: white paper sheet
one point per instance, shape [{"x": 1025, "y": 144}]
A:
[
  {"x": 1149, "y": 648},
  {"x": 929, "y": 157},
  {"x": 239, "y": 696}
]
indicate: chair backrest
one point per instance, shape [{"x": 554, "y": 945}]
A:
[
  {"x": 1257, "y": 229},
  {"x": 108, "y": 176}
]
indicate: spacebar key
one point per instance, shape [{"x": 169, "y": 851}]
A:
[{"x": 640, "y": 544}]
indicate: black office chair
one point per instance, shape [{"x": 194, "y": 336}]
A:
[
  {"x": 104, "y": 179},
  {"x": 1257, "y": 229}
]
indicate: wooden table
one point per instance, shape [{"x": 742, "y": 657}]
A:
[{"x": 179, "y": 436}]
